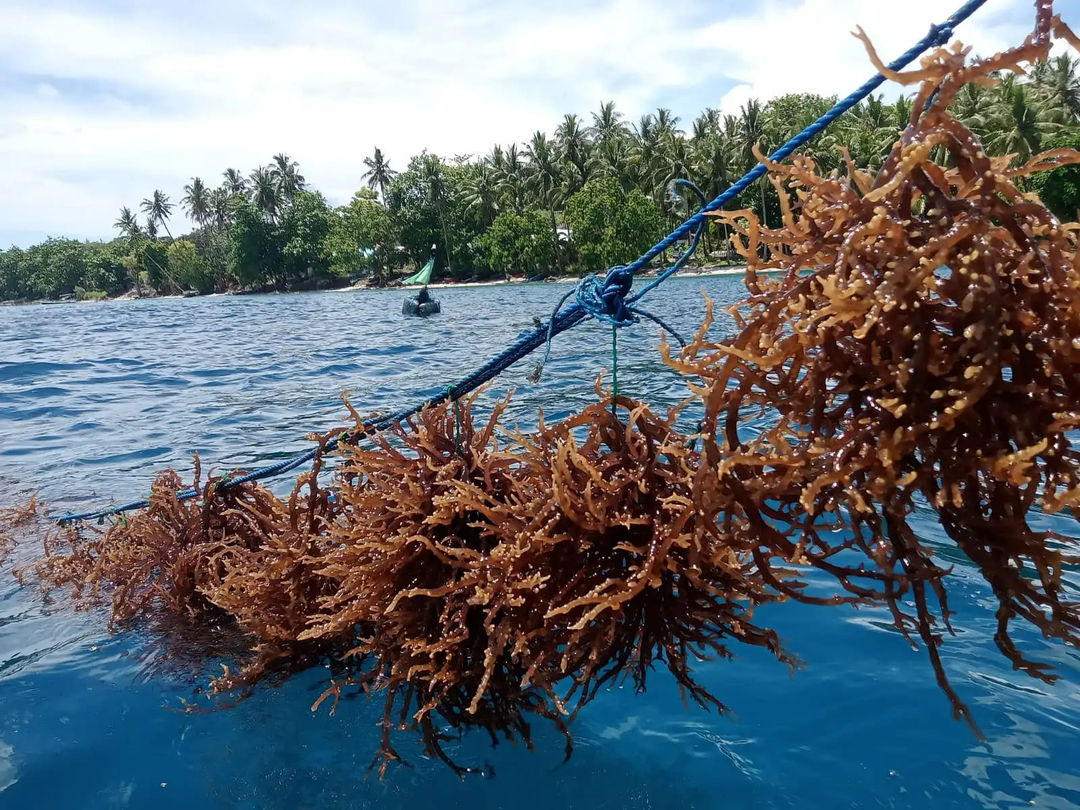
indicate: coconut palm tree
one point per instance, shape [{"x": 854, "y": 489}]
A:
[
  {"x": 234, "y": 181},
  {"x": 512, "y": 185},
  {"x": 220, "y": 199},
  {"x": 431, "y": 170},
  {"x": 646, "y": 157},
  {"x": 480, "y": 194},
  {"x": 752, "y": 133},
  {"x": 128, "y": 224},
  {"x": 266, "y": 192},
  {"x": 607, "y": 124},
  {"x": 667, "y": 125},
  {"x": 1057, "y": 83},
  {"x": 379, "y": 173},
  {"x": 286, "y": 173},
  {"x": 972, "y": 106},
  {"x": 1017, "y": 122},
  {"x": 613, "y": 159},
  {"x": 869, "y": 132},
  {"x": 158, "y": 209},
  {"x": 576, "y": 149},
  {"x": 196, "y": 201},
  {"x": 544, "y": 177}
]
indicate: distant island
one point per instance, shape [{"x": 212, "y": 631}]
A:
[{"x": 592, "y": 196}]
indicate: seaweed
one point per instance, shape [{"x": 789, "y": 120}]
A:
[
  {"x": 14, "y": 518},
  {"x": 920, "y": 348}
]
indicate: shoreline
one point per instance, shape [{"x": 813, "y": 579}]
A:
[{"x": 696, "y": 272}]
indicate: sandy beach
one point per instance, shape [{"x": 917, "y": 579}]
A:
[{"x": 713, "y": 270}]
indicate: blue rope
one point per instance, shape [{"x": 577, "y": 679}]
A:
[{"x": 606, "y": 301}]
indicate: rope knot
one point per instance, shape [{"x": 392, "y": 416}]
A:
[
  {"x": 941, "y": 33},
  {"x": 605, "y": 299}
]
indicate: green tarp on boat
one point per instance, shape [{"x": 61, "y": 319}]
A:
[{"x": 423, "y": 276}]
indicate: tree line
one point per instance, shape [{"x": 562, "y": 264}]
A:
[{"x": 595, "y": 193}]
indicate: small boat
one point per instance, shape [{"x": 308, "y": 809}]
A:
[
  {"x": 412, "y": 306},
  {"x": 422, "y": 304}
]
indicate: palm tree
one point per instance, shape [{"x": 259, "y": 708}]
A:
[
  {"x": 613, "y": 159},
  {"x": 234, "y": 181},
  {"x": 715, "y": 163},
  {"x": 607, "y": 123},
  {"x": 511, "y": 177},
  {"x": 128, "y": 224},
  {"x": 646, "y": 157},
  {"x": 266, "y": 192},
  {"x": 576, "y": 150},
  {"x": 379, "y": 172},
  {"x": 667, "y": 125},
  {"x": 751, "y": 134},
  {"x": 972, "y": 106},
  {"x": 481, "y": 194},
  {"x": 1017, "y": 123},
  {"x": 1057, "y": 83},
  {"x": 158, "y": 209},
  {"x": 286, "y": 173},
  {"x": 431, "y": 170},
  {"x": 197, "y": 201},
  {"x": 545, "y": 177},
  {"x": 220, "y": 199},
  {"x": 869, "y": 132}
]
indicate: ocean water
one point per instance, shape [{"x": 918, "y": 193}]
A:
[{"x": 95, "y": 398}]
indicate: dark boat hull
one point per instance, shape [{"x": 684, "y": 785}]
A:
[{"x": 412, "y": 307}]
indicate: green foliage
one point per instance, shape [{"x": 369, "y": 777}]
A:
[
  {"x": 361, "y": 237},
  {"x": 254, "y": 249},
  {"x": 605, "y": 178},
  {"x": 153, "y": 258},
  {"x": 1060, "y": 189},
  {"x": 105, "y": 270},
  {"x": 191, "y": 270},
  {"x": 609, "y": 226},
  {"x": 519, "y": 244},
  {"x": 303, "y": 233},
  {"x": 14, "y": 275}
]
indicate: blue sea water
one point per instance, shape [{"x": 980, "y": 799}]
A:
[{"x": 95, "y": 398}]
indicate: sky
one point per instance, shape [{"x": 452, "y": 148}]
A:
[{"x": 103, "y": 101}]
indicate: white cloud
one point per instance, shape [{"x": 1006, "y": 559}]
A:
[
  {"x": 114, "y": 101},
  {"x": 783, "y": 61}
]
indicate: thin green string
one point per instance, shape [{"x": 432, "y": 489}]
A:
[
  {"x": 614, "y": 369},
  {"x": 457, "y": 419}
]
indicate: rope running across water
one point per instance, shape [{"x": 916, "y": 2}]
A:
[{"x": 605, "y": 300}]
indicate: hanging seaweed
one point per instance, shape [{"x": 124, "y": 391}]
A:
[
  {"x": 922, "y": 346},
  {"x": 493, "y": 582}
]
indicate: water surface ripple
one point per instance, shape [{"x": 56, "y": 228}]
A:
[{"x": 95, "y": 398}]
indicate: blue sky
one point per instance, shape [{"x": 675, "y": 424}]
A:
[{"x": 102, "y": 101}]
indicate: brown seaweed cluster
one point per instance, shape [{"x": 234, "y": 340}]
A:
[
  {"x": 497, "y": 581},
  {"x": 919, "y": 349},
  {"x": 473, "y": 576},
  {"x": 13, "y": 519}
]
